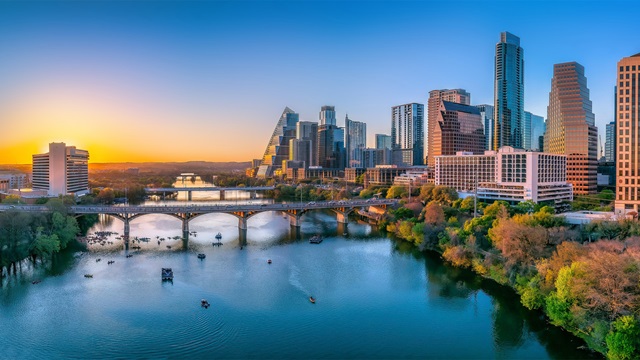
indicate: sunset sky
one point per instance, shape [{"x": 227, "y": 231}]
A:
[{"x": 207, "y": 80}]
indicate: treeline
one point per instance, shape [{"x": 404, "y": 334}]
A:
[
  {"x": 35, "y": 236},
  {"x": 585, "y": 279},
  {"x": 306, "y": 193}
]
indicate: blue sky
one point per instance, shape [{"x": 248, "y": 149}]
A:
[{"x": 207, "y": 80}]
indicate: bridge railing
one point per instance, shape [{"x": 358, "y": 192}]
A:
[{"x": 170, "y": 208}]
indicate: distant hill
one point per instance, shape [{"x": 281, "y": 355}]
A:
[
  {"x": 154, "y": 167},
  {"x": 177, "y": 167}
]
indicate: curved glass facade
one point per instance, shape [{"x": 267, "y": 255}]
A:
[{"x": 509, "y": 92}]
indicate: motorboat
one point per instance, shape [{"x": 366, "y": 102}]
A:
[
  {"x": 201, "y": 256},
  {"x": 269, "y": 261},
  {"x": 168, "y": 246},
  {"x": 313, "y": 301},
  {"x": 218, "y": 236},
  {"x": 167, "y": 274},
  {"x": 34, "y": 282},
  {"x": 88, "y": 275},
  {"x": 316, "y": 239},
  {"x": 129, "y": 255},
  {"x": 204, "y": 303}
]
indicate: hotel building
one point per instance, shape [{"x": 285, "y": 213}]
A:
[
  {"x": 63, "y": 170},
  {"x": 509, "y": 174}
]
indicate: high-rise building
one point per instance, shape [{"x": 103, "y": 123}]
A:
[
  {"x": 627, "y": 130},
  {"x": 331, "y": 153},
  {"x": 328, "y": 115},
  {"x": 458, "y": 128},
  {"x": 571, "y": 129},
  {"x": 277, "y": 149},
  {"x": 308, "y": 130},
  {"x": 383, "y": 141},
  {"x": 407, "y": 133},
  {"x": 486, "y": 115},
  {"x": 436, "y": 97},
  {"x": 533, "y": 129},
  {"x": 300, "y": 150},
  {"x": 63, "y": 170},
  {"x": 509, "y": 92},
  {"x": 355, "y": 141},
  {"x": 610, "y": 143}
]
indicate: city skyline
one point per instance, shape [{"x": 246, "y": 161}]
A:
[{"x": 139, "y": 82}]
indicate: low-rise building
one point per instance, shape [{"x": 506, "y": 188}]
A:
[
  {"x": 416, "y": 176},
  {"x": 10, "y": 180},
  {"x": 383, "y": 174},
  {"x": 509, "y": 174}
]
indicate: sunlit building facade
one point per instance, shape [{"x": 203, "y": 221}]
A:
[
  {"x": 308, "y": 130},
  {"x": 458, "y": 128},
  {"x": 407, "y": 133},
  {"x": 509, "y": 92},
  {"x": 277, "y": 149},
  {"x": 628, "y": 135},
  {"x": 509, "y": 174},
  {"x": 355, "y": 141},
  {"x": 570, "y": 127},
  {"x": 436, "y": 97},
  {"x": 63, "y": 170}
]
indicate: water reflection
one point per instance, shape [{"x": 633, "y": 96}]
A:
[{"x": 376, "y": 298}]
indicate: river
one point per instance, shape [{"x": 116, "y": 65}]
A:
[{"x": 376, "y": 298}]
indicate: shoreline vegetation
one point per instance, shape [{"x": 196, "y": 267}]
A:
[
  {"x": 38, "y": 237},
  {"x": 585, "y": 279}
]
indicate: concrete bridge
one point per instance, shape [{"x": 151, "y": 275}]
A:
[
  {"x": 242, "y": 212},
  {"x": 189, "y": 190}
]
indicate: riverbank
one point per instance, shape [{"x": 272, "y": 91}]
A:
[
  {"x": 589, "y": 289},
  {"x": 400, "y": 302}
]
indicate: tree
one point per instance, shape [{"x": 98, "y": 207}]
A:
[
  {"x": 12, "y": 199},
  {"x": 525, "y": 207},
  {"x": 64, "y": 227},
  {"x": 433, "y": 214},
  {"x": 623, "y": 341},
  {"x": 44, "y": 245},
  {"x": 396, "y": 192},
  {"x": 520, "y": 244},
  {"x": 467, "y": 203},
  {"x": 106, "y": 196}
]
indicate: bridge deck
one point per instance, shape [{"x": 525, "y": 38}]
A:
[
  {"x": 190, "y": 208},
  {"x": 210, "y": 188}
]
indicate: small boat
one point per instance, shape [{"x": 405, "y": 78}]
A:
[
  {"x": 201, "y": 256},
  {"x": 313, "y": 301},
  {"x": 110, "y": 262},
  {"x": 218, "y": 236},
  {"x": 167, "y": 274},
  {"x": 204, "y": 303},
  {"x": 216, "y": 243},
  {"x": 129, "y": 255},
  {"x": 316, "y": 239},
  {"x": 34, "y": 282},
  {"x": 168, "y": 246},
  {"x": 88, "y": 275},
  {"x": 345, "y": 233},
  {"x": 98, "y": 259},
  {"x": 269, "y": 261}
]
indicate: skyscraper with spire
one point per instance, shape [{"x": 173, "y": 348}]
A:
[{"x": 509, "y": 92}]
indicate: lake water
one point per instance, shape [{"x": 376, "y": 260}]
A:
[{"x": 375, "y": 299}]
